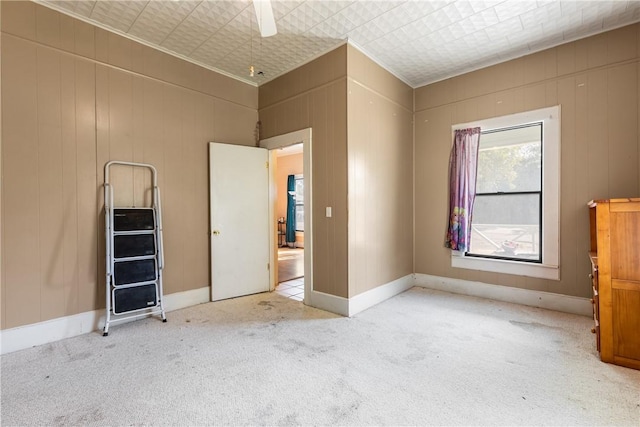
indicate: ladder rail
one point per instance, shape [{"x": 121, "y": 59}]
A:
[
  {"x": 108, "y": 219},
  {"x": 157, "y": 203}
]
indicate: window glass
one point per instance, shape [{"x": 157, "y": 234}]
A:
[
  {"x": 507, "y": 213},
  {"x": 510, "y": 160},
  {"x": 299, "y": 196},
  {"x": 507, "y": 226}
]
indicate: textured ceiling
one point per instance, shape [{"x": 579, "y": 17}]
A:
[{"x": 418, "y": 41}]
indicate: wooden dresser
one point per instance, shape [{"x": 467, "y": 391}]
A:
[{"x": 615, "y": 275}]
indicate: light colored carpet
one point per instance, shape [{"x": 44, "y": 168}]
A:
[{"x": 421, "y": 358}]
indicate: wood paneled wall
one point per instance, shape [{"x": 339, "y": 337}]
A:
[
  {"x": 380, "y": 155},
  {"x": 364, "y": 173},
  {"x": 315, "y": 95},
  {"x": 74, "y": 97},
  {"x": 596, "y": 82}
]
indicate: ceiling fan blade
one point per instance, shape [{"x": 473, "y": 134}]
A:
[{"x": 264, "y": 16}]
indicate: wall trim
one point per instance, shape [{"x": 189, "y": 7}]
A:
[
  {"x": 351, "y": 306},
  {"x": 547, "y": 300},
  {"x": 382, "y": 293},
  {"x": 327, "y": 302},
  {"x": 35, "y": 334}
]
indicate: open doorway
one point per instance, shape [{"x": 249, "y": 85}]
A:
[
  {"x": 289, "y": 175},
  {"x": 296, "y": 253}
]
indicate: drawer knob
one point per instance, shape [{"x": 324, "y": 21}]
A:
[
  {"x": 590, "y": 276},
  {"x": 592, "y": 301},
  {"x": 593, "y": 330}
]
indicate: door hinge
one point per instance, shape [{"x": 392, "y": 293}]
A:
[
  {"x": 268, "y": 266},
  {"x": 267, "y": 165}
]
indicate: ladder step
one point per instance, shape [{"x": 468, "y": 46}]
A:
[
  {"x": 133, "y": 232},
  {"x": 130, "y": 219},
  {"x": 135, "y": 298},
  {"x": 134, "y": 245},
  {"x": 128, "y": 272},
  {"x": 133, "y": 258}
]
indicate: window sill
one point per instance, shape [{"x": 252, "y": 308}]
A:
[{"x": 541, "y": 271}]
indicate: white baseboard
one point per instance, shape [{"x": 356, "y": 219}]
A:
[
  {"x": 548, "y": 300},
  {"x": 327, "y": 302},
  {"x": 351, "y": 306},
  {"x": 185, "y": 299},
  {"x": 382, "y": 293},
  {"x": 22, "y": 337}
]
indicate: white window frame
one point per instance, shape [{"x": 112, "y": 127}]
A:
[
  {"x": 299, "y": 177},
  {"x": 550, "y": 266}
]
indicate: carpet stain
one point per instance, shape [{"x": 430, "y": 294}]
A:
[
  {"x": 266, "y": 304},
  {"x": 173, "y": 356},
  {"x": 110, "y": 346},
  {"x": 80, "y": 356},
  {"x": 293, "y": 346},
  {"x": 89, "y": 417},
  {"x": 289, "y": 420},
  {"x": 531, "y": 326},
  {"x": 342, "y": 413},
  {"x": 415, "y": 357}
]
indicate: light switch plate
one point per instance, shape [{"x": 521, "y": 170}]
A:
[{"x": 328, "y": 211}]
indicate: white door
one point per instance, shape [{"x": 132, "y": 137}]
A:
[{"x": 239, "y": 197}]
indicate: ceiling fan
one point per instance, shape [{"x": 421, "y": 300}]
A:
[{"x": 264, "y": 16}]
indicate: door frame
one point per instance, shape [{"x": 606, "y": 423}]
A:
[{"x": 301, "y": 136}]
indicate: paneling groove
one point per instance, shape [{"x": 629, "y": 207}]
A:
[
  {"x": 595, "y": 80},
  {"x": 67, "y": 110}
]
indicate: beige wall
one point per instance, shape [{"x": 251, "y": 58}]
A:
[
  {"x": 361, "y": 119},
  {"x": 315, "y": 95},
  {"x": 596, "y": 82},
  {"x": 75, "y": 97},
  {"x": 287, "y": 165},
  {"x": 380, "y": 165}
]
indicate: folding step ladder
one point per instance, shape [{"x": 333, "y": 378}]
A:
[{"x": 134, "y": 254}]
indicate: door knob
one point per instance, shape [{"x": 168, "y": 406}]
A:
[{"x": 215, "y": 232}]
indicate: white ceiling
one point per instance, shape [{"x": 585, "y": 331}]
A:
[{"x": 418, "y": 41}]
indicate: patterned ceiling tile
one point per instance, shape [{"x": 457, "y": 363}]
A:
[
  {"x": 117, "y": 14},
  {"x": 480, "y": 20},
  {"x": 361, "y": 12},
  {"x": 595, "y": 11},
  {"x": 510, "y": 9},
  {"x": 204, "y": 21},
  {"x": 283, "y": 7},
  {"x": 82, "y": 8},
  {"x": 504, "y": 28},
  {"x": 186, "y": 37},
  {"x": 569, "y": 7},
  {"x": 546, "y": 13},
  {"x": 418, "y": 40},
  {"x": 304, "y": 17},
  {"x": 631, "y": 14},
  {"x": 337, "y": 25},
  {"x": 160, "y": 18}
]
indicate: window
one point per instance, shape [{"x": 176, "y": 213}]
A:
[
  {"x": 515, "y": 223},
  {"x": 299, "y": 197},
  {"x": 507, "y": 214}
]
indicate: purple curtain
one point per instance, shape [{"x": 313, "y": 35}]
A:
[{"x": 463, "y": 165}]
